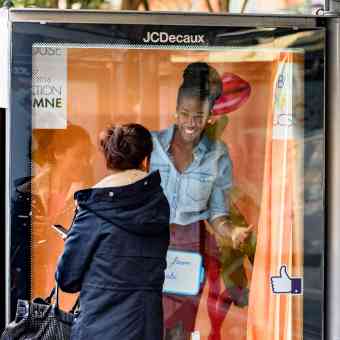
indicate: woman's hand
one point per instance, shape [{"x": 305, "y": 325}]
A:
[
  {"x": 239, "y": 235},
  {"x": 235, "y": 236},
  {"x": 228, "y": 234}
]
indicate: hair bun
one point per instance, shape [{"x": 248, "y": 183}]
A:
[
  {"x": 126, "y": 146},
  {"x": 201, "y": 80},
  {"x": 197, "y": 74}
]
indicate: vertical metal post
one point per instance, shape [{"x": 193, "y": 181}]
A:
[
  {"x": 4, "y": 234},
  {"x": 326, "y": 5},
  {"x": 3, "y": 268},
  {"x": 332, "y": 291},
  {"x": 4, "y": 57}
]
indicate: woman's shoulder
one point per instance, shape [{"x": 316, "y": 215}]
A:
[
  {"x": 124, "y": 185},
  {"x": 163, "y": 133},
  {"x": 121, "y": 179}
]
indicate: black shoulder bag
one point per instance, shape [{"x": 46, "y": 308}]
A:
[{"x": 41, "y": 320}]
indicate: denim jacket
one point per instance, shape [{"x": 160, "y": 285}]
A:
[{"x": 198, "y": 193}]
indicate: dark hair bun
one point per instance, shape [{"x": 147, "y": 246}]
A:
[
  {"x": 196, "y": 75},
  {"x": 200, "y": 80},
  {"x": 126, "y": 146}
]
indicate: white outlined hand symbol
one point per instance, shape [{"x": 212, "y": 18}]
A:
[{"x": 284, "y": 284}]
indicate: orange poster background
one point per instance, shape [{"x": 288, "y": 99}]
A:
[
  {"x": 108, "y": 86},
  {"x": 280, "y": 228}
]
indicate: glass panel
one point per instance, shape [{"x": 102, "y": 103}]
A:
[{"x": 238, "y": 141}]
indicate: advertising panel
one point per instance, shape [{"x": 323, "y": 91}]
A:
[
  {"x": 256, "y": 123},
  {"x": 237, "y": 145}
]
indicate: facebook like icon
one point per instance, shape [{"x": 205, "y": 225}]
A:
[{"x": 284, "y": 284}]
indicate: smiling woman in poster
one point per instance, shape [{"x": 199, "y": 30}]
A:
[{"x": 196, "y": 176}]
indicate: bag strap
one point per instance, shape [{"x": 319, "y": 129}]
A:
[
  {"x": 75, "y": 306},
  {"x": 50, "y": 297},
  {"x": 55, "y": 293}
]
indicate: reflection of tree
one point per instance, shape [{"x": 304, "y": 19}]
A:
[
  {"x": 165, "y": 5},
  {"x": 236, "y": 264},
  {"x": 61, "y": 165},
  {"x": 235, "y": 275},
  {"x": 234, "y": 272},
  {"x": 135, "y": 4},
  {"x": 144, "y": 5}
]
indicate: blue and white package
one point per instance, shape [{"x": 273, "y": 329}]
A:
[{"x": 184, "y": 273}]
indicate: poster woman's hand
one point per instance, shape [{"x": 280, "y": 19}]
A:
[
  {"x": 234, "y": 235},
  {"x": 239, "y": 235}
]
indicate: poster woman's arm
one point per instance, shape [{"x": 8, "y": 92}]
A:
[{"x": 220, "y": 201}]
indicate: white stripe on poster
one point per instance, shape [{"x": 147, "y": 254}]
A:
[{"x": 49, "y": 88}]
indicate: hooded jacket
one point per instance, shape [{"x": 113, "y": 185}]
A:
[{"x": 115, "y": 255}]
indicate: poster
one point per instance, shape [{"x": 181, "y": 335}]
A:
[{"x": 115, "y": 85}]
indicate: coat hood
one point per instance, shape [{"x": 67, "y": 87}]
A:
[{"x": 139, "y": 208}]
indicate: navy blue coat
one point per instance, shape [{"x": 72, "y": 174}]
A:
[{"x": 115, "y": 255}]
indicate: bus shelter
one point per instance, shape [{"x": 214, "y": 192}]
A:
[{"x": 69, "y": 74}]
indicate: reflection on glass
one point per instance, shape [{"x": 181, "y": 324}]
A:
[
  {"x": 61, "y": 165},
  {"x": 231, "y": 150}
]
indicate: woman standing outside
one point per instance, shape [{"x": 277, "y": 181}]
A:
[
  {"x": 196, "y": 176},
  {"x": 115, "y": 251}
]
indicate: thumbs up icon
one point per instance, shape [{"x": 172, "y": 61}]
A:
[{"x": 285, "y": 284}]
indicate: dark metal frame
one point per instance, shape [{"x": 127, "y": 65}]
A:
[
  {"x": 332, "y": 292},
  {"x": 163, "y": 18},
  {"x": 332, "y": 24},
  {"x": 2, "y": 218}
]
